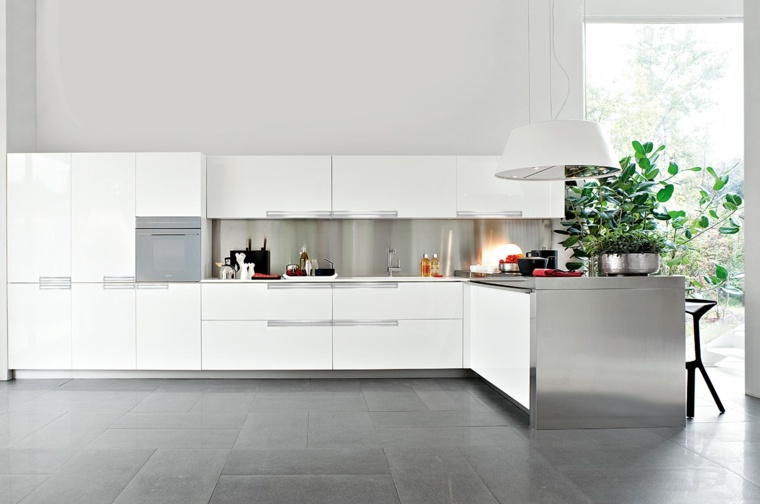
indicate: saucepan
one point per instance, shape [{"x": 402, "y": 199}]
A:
[{"x": 528, "y": 264}]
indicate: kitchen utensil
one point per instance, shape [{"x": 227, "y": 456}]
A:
[
  {"x": 551, "y": 255},
  {"x": 326, "y": 271},
  {"x": 528, "y": 264},
  {"x": 508, "y": 267}
]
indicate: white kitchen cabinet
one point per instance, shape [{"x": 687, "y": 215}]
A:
[
  {"x": 266, "y": 345},
  {"x": 103, "y": 326},
  {"x": 398, "y": 344},
  {"x": 257, "y": 187},
  {"x": 397, "y": 300},
  {"x": 266, "y": 301},
  {"x": 168, "y": 326},
  {"x": 421, "y": 187},
  {"x": 500, "y": 339},
  {"x": 480, "y": 194},
  {"x": 170, "y": 184},
  {"x": 39, "y": 216},
  {"x": 102, "y": 216},
  {"x": 39, "y": 327}
]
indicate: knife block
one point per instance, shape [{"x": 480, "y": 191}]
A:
[{"x": 259, "y": 257}]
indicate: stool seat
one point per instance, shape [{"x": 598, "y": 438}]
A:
[{"x": 696, "y": 308}]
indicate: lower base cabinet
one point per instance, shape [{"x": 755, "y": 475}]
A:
[
  {"x": 262, "y": 345},
  {"x": 500, "y": 339},
  {"x": 168, "y": 326},
  {"x": 402, "y": 344},
  {"x": 103, "y": 326},
  {"x": 39, "y": 327}
]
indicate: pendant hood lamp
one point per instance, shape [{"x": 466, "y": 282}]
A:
[{"x": 557, "y": 150}]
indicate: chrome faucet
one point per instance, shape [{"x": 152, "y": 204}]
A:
[{"x": 391, "y": 267}]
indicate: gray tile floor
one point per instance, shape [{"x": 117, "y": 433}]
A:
[{"x": 353, "y": 441}]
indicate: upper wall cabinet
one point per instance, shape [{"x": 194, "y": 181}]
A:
[
  {"x": 255, "y": 187},
  {"x": 102, "y": 216},
  {"x": 39, "y": 216},
  {"x": 394, "y": 186},
  {"x": 480, "y": 194},
  {"x": 171, "y": 184}
]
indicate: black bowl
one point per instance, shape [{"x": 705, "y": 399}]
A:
[
  {"x": 528, "y": 264},
  {"x": 324, "y": 272}
]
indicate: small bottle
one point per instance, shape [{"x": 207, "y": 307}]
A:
[
  {"x": 304, "y": 259},
  {"x": 425, "y": 266},
  {"x": 435, "y": 266}
]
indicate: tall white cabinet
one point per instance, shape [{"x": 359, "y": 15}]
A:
[
  {"x": 171, "y": 184},
  {"x": 39, "y": 261},
  {"x": 39, "y": 217},
  {"x": 102, "y": 216}
]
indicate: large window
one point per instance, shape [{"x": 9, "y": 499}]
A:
[{"x": 680, "y": 85}]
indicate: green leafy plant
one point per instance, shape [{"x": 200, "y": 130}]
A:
[
  {"x": 635, "y": 200},
  {"x": 636, "y": 241}
]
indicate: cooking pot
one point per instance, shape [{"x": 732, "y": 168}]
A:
[
  {"x": 551, "y": 255},
  {"x": 528, "y": 264}
]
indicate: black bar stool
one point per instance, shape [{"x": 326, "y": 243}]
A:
[{"x": 696, "y": 308}]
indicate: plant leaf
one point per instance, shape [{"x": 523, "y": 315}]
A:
[
  {"x": 665, "y": 193},
  {"x": 711, "y": 171},
  {"x": 731, "y": 290},
  {"x": 727, "y": 230},
  {"x": 672, "y": 168},
  {"x": 721, "y": 272},
  {"x": 704, "y": 221}
]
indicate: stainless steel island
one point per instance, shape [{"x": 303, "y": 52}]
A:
[{"x": 582, "y": 352}]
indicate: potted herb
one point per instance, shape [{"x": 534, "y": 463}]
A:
[{"x": 632, "y": 252}]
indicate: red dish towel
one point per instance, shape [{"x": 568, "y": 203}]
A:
[
  {"x": 264, "y": 276},
  {"x": 544, "y": 272}
]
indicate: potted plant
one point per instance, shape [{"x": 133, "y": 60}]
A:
[{"x": 628, "y": 253}]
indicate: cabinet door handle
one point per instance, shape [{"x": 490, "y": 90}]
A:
[
  {"x": 152, "y": 286},
  {"x": 495, "y": 215},
  {"x": 118, "y": 285},
  {"x": 315, "y": 214},
  {"x": 118, "y": 279},
  {"x": 366, "y": 285},
  {"x": 294, "y": 284},
  {"x": 369, "y": 214},
  {"x": 53, "y": 283},
  {"x": 299, "y": 323},
  {"x": 359, "y": 322}
]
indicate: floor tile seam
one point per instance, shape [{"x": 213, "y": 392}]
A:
[
  {"x": 467, "y": 461},
  {"x": 716, "y": 463},
  {"x": 13, "y": 445},
  {"x": 137, "y": 472}
]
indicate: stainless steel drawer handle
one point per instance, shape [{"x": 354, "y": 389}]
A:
[
  {"x": 325, "y": 214},
  {"x": 370, "y": 214},
  {"x": 152, "y": 286},
  {"x": 366, "y": 285},
  {"x": 350, "y": 323},
  {"x": 55, "y": 283},
  {"x": 497, "y": 214},
  {"x": 294, "y": 284},
  {"x": 55, "y": 286},
  {"x": 118, "y": 279},
  {"x": 299, "y": 323}
]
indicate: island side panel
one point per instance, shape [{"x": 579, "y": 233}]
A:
[{"x": 608, "y": 358}]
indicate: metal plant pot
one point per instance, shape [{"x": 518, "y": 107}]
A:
[{"x": 629, "y": 264}]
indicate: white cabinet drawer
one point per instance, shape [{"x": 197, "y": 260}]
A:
[
  {"x": 412, "y": 344},
  {"x": 262, "y": 345},
  {"x": 266, "y": 301},
  {"x": 397, "y": 300},
  {"x": 257, "y": 187}
]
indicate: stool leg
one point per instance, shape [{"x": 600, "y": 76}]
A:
[
  {"x": 712, "y": 389},
  {"x": 690, "y": 373}
]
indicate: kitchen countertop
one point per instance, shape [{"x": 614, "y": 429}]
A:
[
  {"x": 341, "y": 279},
  {"x": 581, "y": 283}
]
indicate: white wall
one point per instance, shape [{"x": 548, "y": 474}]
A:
[
  {"x": 752, "y": 190},
  {"x": 21, "y": 56},
  {"x": 267, "y": 77}
]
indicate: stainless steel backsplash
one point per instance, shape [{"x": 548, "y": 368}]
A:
[{"x": 359, "y": 247}]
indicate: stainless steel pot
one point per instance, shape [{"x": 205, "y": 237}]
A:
[{"x": 629, "y": 264}]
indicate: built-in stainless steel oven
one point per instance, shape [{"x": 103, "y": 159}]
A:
[{"x": 168, "y": 249}]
